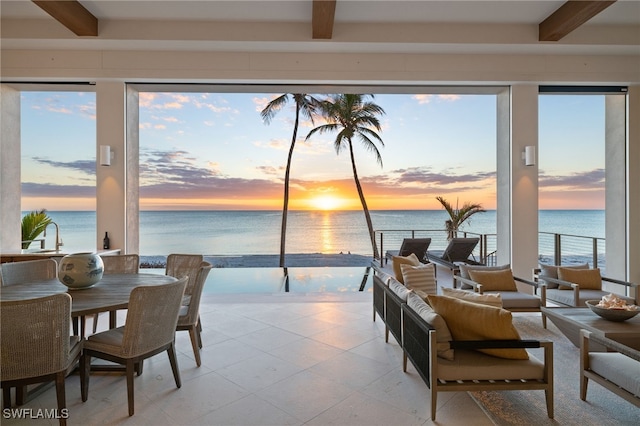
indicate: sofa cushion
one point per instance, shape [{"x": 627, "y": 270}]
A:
[
  {"x": 587, "y": 279},
  {"x": 443, "y": 335},
  {"x": 494, "y": 280},
  {"x": 469, "y": 296},
  {"x": 421, "y": 277},
  {"x": 551, "y": 271},
  {"x": 517, "y": 299},
  {"x": 472, "y": 321},
  {"x": 473, "y": 365},
  {"x": 566, "y": 297},
  {"x": 617, "y": 368},
  {"x": 412, "y": 260},
  {"x": 401, "y": 291},
  {"x": 465, "y": 268}
]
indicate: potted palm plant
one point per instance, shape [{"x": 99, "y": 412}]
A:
[
  {"x": 33, "y": 224},
  {"x": 457, "y": 216}
]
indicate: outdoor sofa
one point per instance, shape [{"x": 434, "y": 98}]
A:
[{"x": 426, "y": 341}]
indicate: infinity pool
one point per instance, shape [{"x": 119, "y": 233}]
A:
[{"x": 289, "y": 280}]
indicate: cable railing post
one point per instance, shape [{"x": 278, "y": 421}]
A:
[
  {"x": 595, "y": 252},
  {"x": 557, "y": 254},
  {"x": 381, "y": 250}
]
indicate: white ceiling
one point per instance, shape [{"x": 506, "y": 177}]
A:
[{"x": 477, "y": 26}]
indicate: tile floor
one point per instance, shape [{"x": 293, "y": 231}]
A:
[{"x": 282, "y": 359}]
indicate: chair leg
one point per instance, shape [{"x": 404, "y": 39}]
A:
[
  {"x": 60, "y": 396},
  {"x": 85, "y": 365},
  {"x": 130, "y": 366},
  {"x": 193, "y": 334},
  {"x": 95, "y": 323},
  {"x": 21, "y": 395},
  {"x": 174, "y": 364},
  {"x": 199, "y": 328},
  {"x": 6, "y": 397}
]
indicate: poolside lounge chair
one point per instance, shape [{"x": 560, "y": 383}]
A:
[
  {"x": 459, "y": 250},
  {"x": 417, "y": 246}
]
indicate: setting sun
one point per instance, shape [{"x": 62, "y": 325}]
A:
[{"x": 326, "y": 202}]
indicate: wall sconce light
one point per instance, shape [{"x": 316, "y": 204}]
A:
[
  {"x": 529, "y": 155},
  {"x": 105, "y": 155}
]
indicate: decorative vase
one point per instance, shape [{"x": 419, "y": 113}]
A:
[{"x": 80, "y": 270}]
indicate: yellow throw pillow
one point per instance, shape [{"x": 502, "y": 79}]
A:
[
  {"x": 501, "y": 280},
  {"x": 484, "y": 299},
  {"x": 472, "y": 321},
  {"x": 412, "y": 260},
  {"x": 587, "y": 279}
]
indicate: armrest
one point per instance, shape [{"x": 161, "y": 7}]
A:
[
  {"x": 495, "y": 344},
  {"x": 467, "y": 281},
  {"x": 528, "y": 282},
  {"x": 611, "y": 344}
]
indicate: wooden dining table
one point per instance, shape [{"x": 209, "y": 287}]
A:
[{"x": 107, "y": 295}]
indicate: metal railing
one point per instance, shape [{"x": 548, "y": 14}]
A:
[
  {"x": 567, "y": 249},
  {"x": 553, "y": 249},
  {"x": 485, "y": 252}
]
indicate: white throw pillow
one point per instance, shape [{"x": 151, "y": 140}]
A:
[{"x": 420, "y": 278}]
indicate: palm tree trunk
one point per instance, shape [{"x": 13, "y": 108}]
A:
[
  {"x": 285, "y": 207},
  {"x": 367, "y": 216}
]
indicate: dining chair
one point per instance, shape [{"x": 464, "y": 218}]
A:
[
  {"x": 189, "y": 318},
  {"x": 149, "y": 329},
  {"x": 29, "y": 270},
  {"x": 117, "y": 264},
  {"x": 179, "y": 265},
  {"x": 37, "y": 348}
]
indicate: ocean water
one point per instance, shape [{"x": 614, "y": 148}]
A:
[{"x": 258, "y": 232}]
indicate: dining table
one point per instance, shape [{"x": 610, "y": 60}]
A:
[{"x": 107, "y": 295}]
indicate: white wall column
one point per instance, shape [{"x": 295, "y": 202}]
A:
[
  {"x": 633, "y": 184},
  {"x": 111, "y": 180},
  {"x": 615, "y": 186},
  {"x": 518, "y": 184},
  {"x": 10, "y": 178}
]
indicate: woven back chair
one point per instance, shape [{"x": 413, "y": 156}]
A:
[
  {"x": 180, "y": 265},
  {"x": 117, "y": 264},
  {"x": 121, "y": 264},
  {"x": 150, "y": 328},
  {"x": 189, "y": 319},
  {"x": 36, "y": 346},
  {"x": 30, "y": 270}
]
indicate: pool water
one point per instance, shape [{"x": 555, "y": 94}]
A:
[{"x": 289, "y": 280}]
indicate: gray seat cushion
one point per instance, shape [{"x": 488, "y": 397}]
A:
[
  {"x": 565, "y": 297},
  {"x": 517, "y": 300},
  {"x": 617, "y": 368}
]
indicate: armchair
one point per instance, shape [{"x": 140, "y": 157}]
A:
[{"x": 573, "y": 287}]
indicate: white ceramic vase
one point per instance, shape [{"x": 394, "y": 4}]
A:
[{"x": 80, "y": 270}]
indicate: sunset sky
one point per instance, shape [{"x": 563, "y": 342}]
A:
[{"x": 212, "y": 151}]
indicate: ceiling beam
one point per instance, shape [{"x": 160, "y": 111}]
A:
[
  {"x": 72, "y": 15},
  {"x": 323, "y": 15},
  {"x": 568, "y": 17}
]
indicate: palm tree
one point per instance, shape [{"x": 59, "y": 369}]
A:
[
  {"x": 354, "y": 117},
  {"x": 307, "y": 106},
  {"x": 457, "y": 216},
  {"x": 33, "y": 224}
]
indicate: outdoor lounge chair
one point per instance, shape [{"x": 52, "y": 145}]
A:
[
  {"x": 459, "y": 250},
  {"x": 417, "y": 246},
  {"x": 575, "y": 294},
  {"x": 500, "y": 280}
]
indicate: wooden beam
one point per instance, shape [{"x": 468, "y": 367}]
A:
[
  {"x": 323, "y": 15},
  {"x": 568, "y": 17},
  {"x": 72, "y": 15}
]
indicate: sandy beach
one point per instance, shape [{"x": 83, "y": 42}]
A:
[{"x": 270, "y": 260}]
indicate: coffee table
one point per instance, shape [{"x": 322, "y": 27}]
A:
[{"x": 571, "y": 320}]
